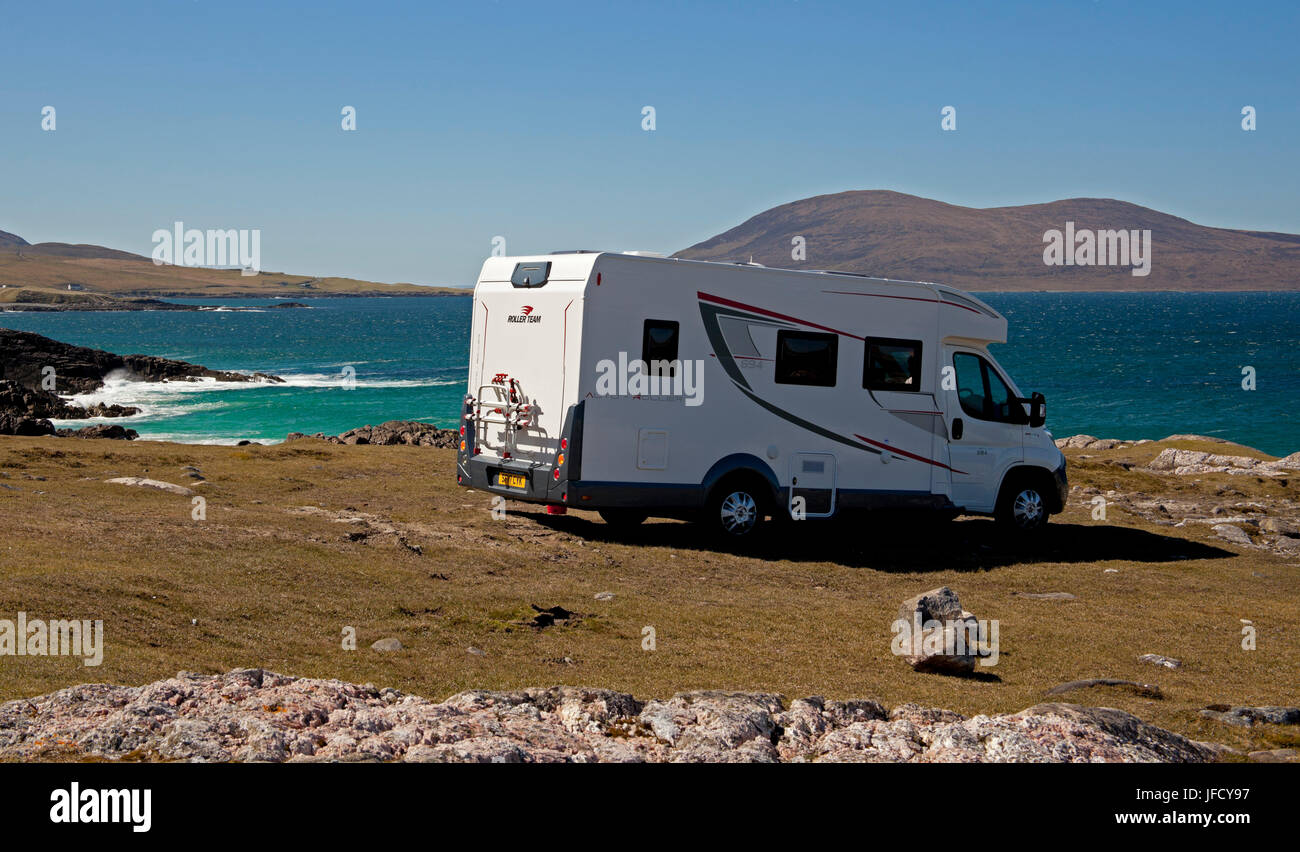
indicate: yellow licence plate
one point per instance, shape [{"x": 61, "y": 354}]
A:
[{"x": 512, "y": 480}]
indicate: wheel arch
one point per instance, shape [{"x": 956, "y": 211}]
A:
[
  {"x": 1033, "y": 474},
  {"x": 742, "y": 464}
]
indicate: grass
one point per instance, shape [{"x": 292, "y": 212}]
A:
[{"x": 303, "y": 539}]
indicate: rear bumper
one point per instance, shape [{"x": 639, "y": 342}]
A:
[{"x": 482, "y": 474}]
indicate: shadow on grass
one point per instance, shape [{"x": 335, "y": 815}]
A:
[{"x": 905, "y": 544}]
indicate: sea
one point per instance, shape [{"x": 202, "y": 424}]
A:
[{"x": 1114, "y": 365}]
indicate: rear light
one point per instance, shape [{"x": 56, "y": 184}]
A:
[
  {"x": 559, "y": 461},
  {"x": 462, "y": 430},
  {"x": 564, "y": 443},
  {"x": 556, "y": 510},
  {"x": 564, "y": 497},
  {"x": 556, "y": 475},
  {"x": 462, "y": 446},
  {"x": 505, "y": 455},
  {"x": 459, "y": 478},
  {"x": 597, "y": 279}
]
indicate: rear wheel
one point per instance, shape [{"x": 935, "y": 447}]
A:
[
  {"x": 736, "y": 510},
  {"x": 624, "y": 519},
  {"x": 1022, "y": 506}
]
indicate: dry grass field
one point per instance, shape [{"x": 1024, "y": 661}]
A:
[{"x": 305, "y": 538}]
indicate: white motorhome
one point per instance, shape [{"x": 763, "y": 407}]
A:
[{"x": 640, "y": 385}]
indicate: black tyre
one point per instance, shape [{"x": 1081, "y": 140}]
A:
[
  {"x": 624, "y": 519},
  {"x": 736, "y": 510},
  {"x": 1022, "y": 506}
]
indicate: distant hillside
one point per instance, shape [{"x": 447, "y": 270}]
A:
[
  {"x": 892, "y": 235},
  {"x": 96, "y": 269}
]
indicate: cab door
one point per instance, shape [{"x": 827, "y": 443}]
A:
[{"x": 984, "y": 439}]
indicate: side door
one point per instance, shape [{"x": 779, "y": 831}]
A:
[{"x": 984, "y": 437}]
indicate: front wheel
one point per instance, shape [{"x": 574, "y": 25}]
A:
[{"x": 1022, "y": 507}]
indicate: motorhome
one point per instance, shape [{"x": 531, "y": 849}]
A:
[{"x": 639, "y": 385}]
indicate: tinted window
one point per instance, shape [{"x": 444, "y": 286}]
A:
[
  {"x": 970, "y": 383},
  {"x": 1000, "y": 397},
  {"x": 892, "y": 364},
  {"x": 806, "y": 358},
  {"x": 982, "y": 392},
  {"x": 659, "y": 347},
  {"x": 531, "y": 274}
]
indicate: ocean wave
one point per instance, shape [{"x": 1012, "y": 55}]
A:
[
  {"x": 209, "y": 440},
  {"x": 122, "y": 390}
]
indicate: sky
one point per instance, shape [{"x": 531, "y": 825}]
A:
[{"x": 478, "y": 120}]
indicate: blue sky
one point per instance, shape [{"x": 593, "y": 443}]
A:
[{"x": 524, "y": 120}]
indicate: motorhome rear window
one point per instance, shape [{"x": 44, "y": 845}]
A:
[
  {"x": 531, "y": 274},
  {"x": 892, "y": 364},
  {"x": 806, "y": 358},
  {"x": 659, "y": 347}
]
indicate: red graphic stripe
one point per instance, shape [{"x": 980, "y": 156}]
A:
[
  {"x": 893, "y": 449},
  {"x": 718, "y": 300}
]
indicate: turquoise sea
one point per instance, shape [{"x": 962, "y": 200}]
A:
[{"x": 1121, "y": 365}]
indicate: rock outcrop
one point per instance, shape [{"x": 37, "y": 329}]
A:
[
  {"x": 409, "y": 432},
  {"x": 1246, "y": 716},
  {"x": 940, "y": 611},
  {"x": 19, "y": 424},
  {"x": 1263, "y": 522},
  {"x": 24, "y": 357},
  {"x": 256, "y": 715},
  {"x": 1189, "y": 462},
  {"x": 16, "y": 399}
]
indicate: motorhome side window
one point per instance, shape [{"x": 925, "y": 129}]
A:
[
  {"x": 806, "y": 358},
  {"x": 892, "y": 364},
  {"x": 659, "y": 347},
  {"x": 981, "y": 391}
]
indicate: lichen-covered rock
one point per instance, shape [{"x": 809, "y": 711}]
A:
[
  {"x": 959, "y": 632},
  {"x": 255, "y": 715}
]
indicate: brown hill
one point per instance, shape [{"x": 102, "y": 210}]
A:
[
  {"x": 96, "y": 269},
  {"x": 893, "y": 235}
]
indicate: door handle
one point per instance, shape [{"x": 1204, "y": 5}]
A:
[{"x": 957, "y": 428}]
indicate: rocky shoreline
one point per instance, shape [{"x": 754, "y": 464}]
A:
[
  {"x": 257, "y": 715},
  {"x": 389, "y": 433},
  {"x": 29, "y": 361}
]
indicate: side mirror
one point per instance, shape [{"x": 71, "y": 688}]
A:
[{"x": 1037, "y": 410}]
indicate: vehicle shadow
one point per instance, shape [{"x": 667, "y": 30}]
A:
[{"x": 886, "y": 542}]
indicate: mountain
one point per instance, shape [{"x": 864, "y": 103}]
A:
[
  {"x": 99, "y": 270},
  {"x": 893, "y": 235}
]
